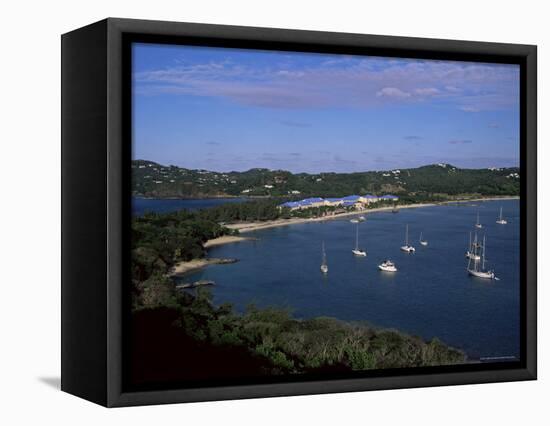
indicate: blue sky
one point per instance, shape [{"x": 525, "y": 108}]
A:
[{"x": 235, "y": 109}]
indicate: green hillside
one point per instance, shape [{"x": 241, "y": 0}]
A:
[{"x": 153, "y": 180}]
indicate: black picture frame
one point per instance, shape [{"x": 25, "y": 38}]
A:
[{"x": 95, "y": 205}]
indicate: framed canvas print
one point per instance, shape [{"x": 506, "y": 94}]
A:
[{"x": 253, "y": 212}]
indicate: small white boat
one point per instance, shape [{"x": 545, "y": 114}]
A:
[
  {"x": 423, "y": 242},
  {"x": 324, "y": 266},
  {"x": 472, "y": 247},
  {"x": 478, "y": 225},
  {"x": 387, "y": 266},
  {"x": 483, "y": 274},
  {"x": 478, "y": 270},
  {"x": 407, "y": 248},
  {"x": 500, "y": 220},
  {"x": 354, "y": 220},
  {"x": 356, "y": 251},
  {"x": 362, "y": 218}
]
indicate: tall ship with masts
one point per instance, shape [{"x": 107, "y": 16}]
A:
[
  {"x": 472, "y": 246},
  {"x": 477, "y": 269}
]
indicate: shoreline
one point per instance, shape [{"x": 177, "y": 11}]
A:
[
  {"x": 225, "y": 239},
  {"x": 186, "y": 267},
  {"x": 182, "y": 268},
  {"x": 256, "y": 226}
]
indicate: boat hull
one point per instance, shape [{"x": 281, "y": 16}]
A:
[
  {"x": 489, "y": 275},
  {"x": 408, "y": 249},
  {"x": 387, "y": 268},
  {"x": 359, "y": 253}
]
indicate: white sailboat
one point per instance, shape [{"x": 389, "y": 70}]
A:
[
  {"x": 356, "y": 251},
  {"x": 478, "y": 271},
  {"x": 423, "y": 242},
  {"x": 472, "y": 246},
  {"x": 408, "y": 248},
  {"x": 354, "y": 220},
  {"x": 324, "y": 266},
  {"x": 478, "y": 225},
  {"x": 387, "y": 266},
  {"x": 500, "y": 220}
]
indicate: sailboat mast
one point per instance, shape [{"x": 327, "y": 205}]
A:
[
  {"x": 357, "y": 237},
  {"x": 483, "y": 255},
  {"x": 476, "y": 253},
  {"x": 407, "y": 235},
  {"x": 501, "y": 213},
  {"x": 470, "y": 244}
]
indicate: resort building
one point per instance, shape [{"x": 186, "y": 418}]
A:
[
  {"x": 334, "y": 201},
  {"x": 356, "y": 201},
  {"x": 389, "y": 197},
  {"x": 368, "y": 198}
]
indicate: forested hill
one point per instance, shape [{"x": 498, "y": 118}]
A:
[{"x": 150, "y": 179}]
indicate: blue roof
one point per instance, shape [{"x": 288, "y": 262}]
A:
[
  {"x": 347, "y": 201},
  {"x": 291, "y": 204}
]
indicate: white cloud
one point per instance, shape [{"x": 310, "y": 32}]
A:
[
  {"x": 393, "y": 92},
  {"x": 358, "y": 82}
]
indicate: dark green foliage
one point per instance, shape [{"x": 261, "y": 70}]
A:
[
  {"x": 180, "y": 335},
  {"x": 257, "y": 210},
  {"x": 428, "y": 181},
  {"x": 286, "y": 345},
  {"x": 156, "y": 291},
  {"x": 161, "y": 240}
]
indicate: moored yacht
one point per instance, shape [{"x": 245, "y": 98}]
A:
[
  {"x": 356, "y": 251},
  {"x": 407, "y": 248},
  {"x": 423, "y": 242},
  {"x": 500, "y": 220},
  {"x": 478, "y": 270},
  {"x": 324, "y": 266},
  {"x": 478, "y": 224},
  {"x": 472, "y": 247},
  {"x": 387, "y": 266}
]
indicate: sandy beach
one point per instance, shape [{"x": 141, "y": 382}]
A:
[
  {"x": 256, "y": 226},
  {"x": 182, "y": 268},
  {"x": 226, "y": 239}
]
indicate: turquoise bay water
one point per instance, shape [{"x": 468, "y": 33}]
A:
[{"x": 431, "y": 295}]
